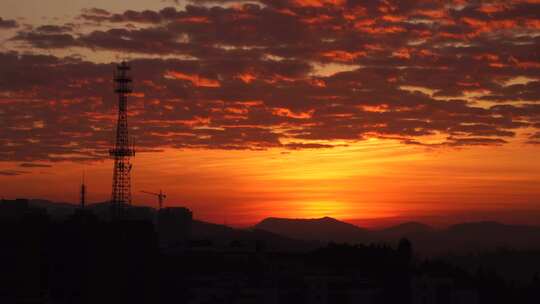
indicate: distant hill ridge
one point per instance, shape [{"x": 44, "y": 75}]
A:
[
  {"x": 320, "y": 229},
  {"x": 408, "y": 227},
  {"x": 303, "y": 233},
  {"x": 458, "y": 238}
]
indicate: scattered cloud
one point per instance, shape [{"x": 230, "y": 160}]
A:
[
  {"x": 12, "y": 172},
  {"x": 7, "y": 24},
  {"x": 34, "y": 165},
  {"x": 263, "y": 74}
]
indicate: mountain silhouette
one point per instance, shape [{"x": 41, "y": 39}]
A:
[
  {"x": 479, "y": 236},
  {"x": 460, "y": 238},
  {"x": 320, "y": 229},
  {"x": 409, "y": 230},
  {"x": 302, "y": 234},
  {"x": 225, "y": 236}
]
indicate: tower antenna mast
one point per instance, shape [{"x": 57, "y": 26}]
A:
[{"x": 123, "y": 150}]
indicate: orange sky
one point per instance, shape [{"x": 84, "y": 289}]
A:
[
  {"x": 375, "y": 112},
  {"x": 364, "y": 181}
]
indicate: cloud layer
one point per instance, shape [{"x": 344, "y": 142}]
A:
[{"x": 297, "y": 74}]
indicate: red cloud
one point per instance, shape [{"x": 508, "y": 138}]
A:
[
  {"x": 244, "y": 76},
  {"x": 490, "y": 8},
  {"x": 288, "y": 113},
  {"x": 402, "y": 53},
  {"x": 196, "y": 80},
  {"x": 319, "y": 3},
  {"x": 480, "y": 26},
  {"x": 343, "y": 56}
]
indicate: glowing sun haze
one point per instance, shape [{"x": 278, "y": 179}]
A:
[{"x": 368, "y": 111}]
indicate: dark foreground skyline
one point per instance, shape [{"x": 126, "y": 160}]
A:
[{"x": 163, "y": 256}]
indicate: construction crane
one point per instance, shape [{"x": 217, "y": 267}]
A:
[{"x": 161, "y": 197}]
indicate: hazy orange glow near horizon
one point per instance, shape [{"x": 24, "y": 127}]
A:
[
  {"x": 371, "y": 183},
  {"x": 375, "y": 113}
]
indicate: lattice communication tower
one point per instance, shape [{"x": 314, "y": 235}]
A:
[{"x": 123, "y": 149}]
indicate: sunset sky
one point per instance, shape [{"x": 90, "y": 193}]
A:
[{"x": 374, "y": 112}]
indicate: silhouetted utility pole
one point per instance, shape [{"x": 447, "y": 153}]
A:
[
  {"x": 123, "y": 149},
  {"x": 83, "y": 193}
]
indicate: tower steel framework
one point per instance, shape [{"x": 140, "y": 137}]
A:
[{"x": 123, "y": 149}]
